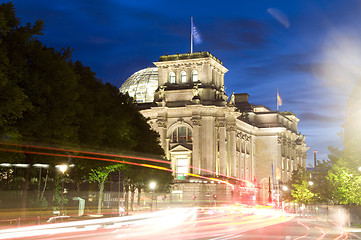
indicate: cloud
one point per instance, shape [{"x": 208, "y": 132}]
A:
[
  {"x": 236, "y": 34},
  {"x": 316, "y": 117},
  {"x": 279, "y": 16}
]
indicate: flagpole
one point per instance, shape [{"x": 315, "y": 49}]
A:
[
  {"x": 277, "y": 99},
  {"x": 192, "y": 34}
]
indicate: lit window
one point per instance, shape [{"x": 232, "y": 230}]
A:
[
  {"x": 172, "y": 77},
  {"x": 183, "y": 77},
  {"x": 189, "y": 135},
  {"x": 182, "y": 168},
  {"x": 195, "y": 76},
  {"x": 182, "y": 134}
]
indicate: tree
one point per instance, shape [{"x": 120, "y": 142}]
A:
[
  {"x": 100, "y": 175},
  {"x": 47, "y": 98},
  {"x": 346, "y": 183},
  {"x": 322, "y": 187},
  {"x": 300, "y": 188},
  {"x": 138, "y": 178},
  {"x": 302, "y": 193},
  {"x": 14, "y": 40}
]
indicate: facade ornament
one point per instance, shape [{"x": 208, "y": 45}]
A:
[
  {"x": 161, "y": 122},
  {"x": 245, "y": 137},
  {"x": 196, "y": 121},
  {"x": 221, "y": 122},
  {"x": 180, "y": 119},
  {"x": 231, "y": 127},
  {"x": 196, "y": 90}
]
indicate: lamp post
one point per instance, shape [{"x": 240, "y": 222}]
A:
[
  {"x": 152, "y": 187},
  {"x": 62, "y": 168}
]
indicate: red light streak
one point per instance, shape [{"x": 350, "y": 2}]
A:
[
  {"x": 323, "y": 233},
  {"x": 112, "y": 160},
  {"x": 84, "y": 157},
  {"x": 308, "y": 230},
  {"x": 249, "y": 184},
  {"x": 113, "y": 155},
  {"x": 342, "y": 230},
  {"x": 87, "y": 152}
]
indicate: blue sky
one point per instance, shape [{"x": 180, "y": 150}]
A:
[{"x": 307, "y": 49}]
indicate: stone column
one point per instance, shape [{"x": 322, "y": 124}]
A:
[
  {"x": 231, "y": 128},
  {"x": 222, "y": 145},
  {"x": 208, "y": 144},
  {"x": 162, "y": 129},
  {"x": 166, "y": 150},
  {"x": 252, "y": 159},
  {"x": 196, "y": 121}
]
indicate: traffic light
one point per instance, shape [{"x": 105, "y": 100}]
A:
[{"x": 215, "y": 196}]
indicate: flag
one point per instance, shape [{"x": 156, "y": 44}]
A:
[
  {"x": 279, "y": 100},
  {"x": 196, "y": 36}
]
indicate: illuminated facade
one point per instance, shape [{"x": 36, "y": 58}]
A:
[{"x": 205, "y": 132}]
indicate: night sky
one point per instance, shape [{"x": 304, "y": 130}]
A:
[{"x": 310, "y": 49}]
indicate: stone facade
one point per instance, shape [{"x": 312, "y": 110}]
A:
[{"x": 204, "y": 132}]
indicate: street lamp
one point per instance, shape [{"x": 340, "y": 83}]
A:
[
  {"x": 152, "y": 186},
  {"x": 310, "y": 183},
  {"x": 62, "y": 169},
  {"x": 284, "y": 188}
]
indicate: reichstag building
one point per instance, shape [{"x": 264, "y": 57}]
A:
[{"x": 204, "y": 132}]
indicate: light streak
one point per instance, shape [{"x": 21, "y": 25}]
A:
[
  {"x": 78, "y": 226},
  {"x": 249, "y": 184},
  {"x": 308, "y": 230},
  {"x": 323, "y": 233},
  {"x": 343, "y": 232},
  {"x": 222, "y": 181},
  {"x": 86, "y": 152},
  {"x": 111, "y": 160},
  {"x": 85, "y": 157}
]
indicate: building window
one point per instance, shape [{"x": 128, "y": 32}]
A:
[
  {"x": 195, "y": 76},
  {"x": 182, "y": 134},
  {"x": 182, "y": 168},
  {"x": 172, "y": 77},
  {"x": 183, "y": 77}
]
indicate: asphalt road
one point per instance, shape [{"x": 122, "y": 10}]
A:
[{"x": 188, "y": 224}]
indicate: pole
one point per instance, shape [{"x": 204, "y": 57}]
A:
[
  {"x": 191, "y": 34},
  {"x": 119, "y": 193},
  {"x": 39, "y": 183},
  {"x": 278, "y": 193},
  {"x": 269, "y": 190},
  {"x": 62, "y": 192},
  {"x": 314, "y": 159},
  {"x": 277, "y": 100}
]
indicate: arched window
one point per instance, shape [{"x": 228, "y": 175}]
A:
[
  {"x": 172, "y": 77},
  {"x": 195, "y": 76},
  {"x": 183, "y": 77},
  {"x": 182, "y": 134}
]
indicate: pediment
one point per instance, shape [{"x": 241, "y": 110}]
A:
[{"x": 180, "y": 148}]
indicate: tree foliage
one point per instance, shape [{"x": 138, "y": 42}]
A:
[
  {"x": 300, "y": 189},
  {"x": 100, "y": 175},
  {"x": 346, "y": 185},
  {"x": 46, "y": 98}
]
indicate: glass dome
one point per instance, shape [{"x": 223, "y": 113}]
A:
[{"x": 141, "y": 85}]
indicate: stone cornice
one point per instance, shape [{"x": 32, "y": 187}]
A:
[{"x": 185, "y": 62}]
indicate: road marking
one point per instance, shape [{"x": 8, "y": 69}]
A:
[{"x": 223, "y": 237}]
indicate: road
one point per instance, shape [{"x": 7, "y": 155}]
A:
[{"x": 187, "y": 223}]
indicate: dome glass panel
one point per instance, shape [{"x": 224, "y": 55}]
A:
[{"x": 142, "y": 85}]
